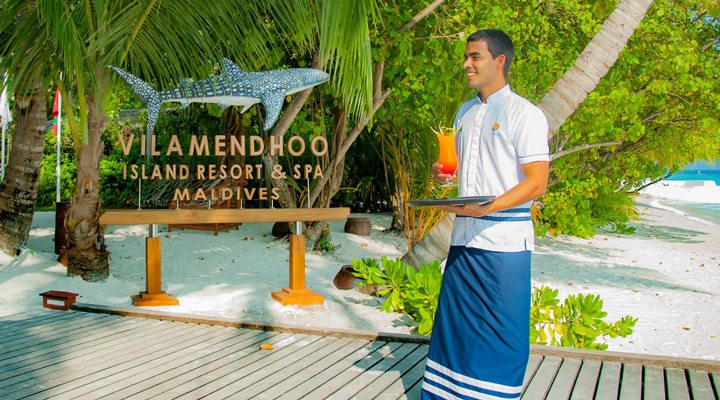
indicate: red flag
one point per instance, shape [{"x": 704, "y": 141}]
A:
[{"x": 56, "y": 111}]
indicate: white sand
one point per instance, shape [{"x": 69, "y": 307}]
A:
[{"x": 667, "y": 275}]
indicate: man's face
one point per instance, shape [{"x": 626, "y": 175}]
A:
[{"x": 481, "y": 69}]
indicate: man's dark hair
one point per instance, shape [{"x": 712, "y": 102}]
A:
[{"x": 498, "y": 42}]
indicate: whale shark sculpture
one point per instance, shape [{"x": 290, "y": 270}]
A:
[{"x": 231, "y": 87}]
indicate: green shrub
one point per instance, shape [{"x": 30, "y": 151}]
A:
[
  {"x": 407, "y": 290},
  {"x": 578, "y": 322}
]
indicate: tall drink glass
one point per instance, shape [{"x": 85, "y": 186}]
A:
[{"x": 448, "y": 154}]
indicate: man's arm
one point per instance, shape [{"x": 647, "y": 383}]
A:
[{"x": 534, "y": 185}]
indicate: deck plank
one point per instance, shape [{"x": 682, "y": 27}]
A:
[
  {"x": 701, "y": 386},
  {"x": 221, "y": 377},
  {"x": 565, "y": 380},
  {"x": 413, "y": 393},
  {"x": 313, "y": 370},
  {"x": 587, "y": 380},
  {"x": 37, "y": 345},
  {"x": 349, "y": 373},
  {"x": 677, "y": 386},
  {"x": 109, "y": 356},
  {"x": 24, "y": 314},
  {"x": 276, "y": 374},
  {"x": 397, "y": 373},
  {"x": 144, "y": 365},
  {"x": 12, "y": 324},
  {"x": 43, "y": 328},
  {"x": 367, "y": 376},
  {"x": 540, "y": 384},
  {"x": 399, "y": 388},
  {"x": 609, "y": 382},
  {"x": 32, "y": 374},
  {"x": 365, "y": 352},
  {"x": 653, "y": 383},
  {"x": 68, "y": 352},
  {"x": 162, "y": 384},
  {"x": 631, "y": 382},
  {"x": 533, "y": 364}
]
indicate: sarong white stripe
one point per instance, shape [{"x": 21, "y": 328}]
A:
[
  {"x": 436, "y": 390},
  {"x": 496, "y": 387},
  {"x": 429, "y": 376}
]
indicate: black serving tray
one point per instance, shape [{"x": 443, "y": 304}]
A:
[{"x": 452, "y": 201}]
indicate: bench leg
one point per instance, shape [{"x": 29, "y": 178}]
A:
[
  {"x": 153, "y": 295},
  {"x": 297, "y": 293}
]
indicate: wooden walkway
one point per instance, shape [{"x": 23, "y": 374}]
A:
[{"x": 81, "y": 355}]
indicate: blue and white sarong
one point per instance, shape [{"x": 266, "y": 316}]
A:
[{"x": 479, "y": 346}]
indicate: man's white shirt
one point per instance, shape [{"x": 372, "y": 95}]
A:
[{"x": 494, "y": 139}]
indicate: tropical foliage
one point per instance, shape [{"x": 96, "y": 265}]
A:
[
  {"x": 578, "y": 322},
  {"x": 655, "y": 111},
  {"x": 160, "y": 42},
  {"x": 409, "y": 290},
  {"x": 663, "y": 90}
]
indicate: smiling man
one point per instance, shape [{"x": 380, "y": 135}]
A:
[{"x": 480, "y": 341}]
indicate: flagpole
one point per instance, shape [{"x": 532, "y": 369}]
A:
[
  {"x": 2, "y": 169},
  {"x": 58, "y": 151},
  {"x": 5, "y": 115}
]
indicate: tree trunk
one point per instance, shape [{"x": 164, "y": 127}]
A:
[
  {"x": 593, "y": 63},
  {"x": 87, "y": 254},
  {"x": 345, "y": 146},
  {"x": 334, "y": 174},
  {"x": 18, "y": 190},
  {"x": 564, "y": 98},
  {"x": 434, "y": 246}
]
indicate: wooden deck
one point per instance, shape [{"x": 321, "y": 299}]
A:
[{"x": 82, "y": 355}]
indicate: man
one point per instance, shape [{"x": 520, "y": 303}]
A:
[{"x": 480, "y": 341}]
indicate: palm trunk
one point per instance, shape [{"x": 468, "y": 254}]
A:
[
  {"x": 564, "y": 98},
  {"x": 18, "y": 190},
  {"x": 593, "y": 63},
  {"x": 434, "y": 246},
  {"x": 87, "y": 254}
]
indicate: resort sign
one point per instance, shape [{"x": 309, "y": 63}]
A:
[
  {"x": 233, "y": 86},
  {"x": 220, "y": 145}
]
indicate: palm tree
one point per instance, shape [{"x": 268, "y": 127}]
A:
[
  {"x": 18, "y": 190},
  {"x": 561, "y": 102},
  {"x": 159, "y": 42}
]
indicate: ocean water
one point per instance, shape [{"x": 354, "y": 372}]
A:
[
  {"x": 697, "y": 175},
  {"x": 707, "y": 211}
]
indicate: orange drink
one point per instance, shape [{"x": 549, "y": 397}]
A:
[{"x": 448, "y": 155}]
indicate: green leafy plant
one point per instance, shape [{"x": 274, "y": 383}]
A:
[
  {"x": 325, "y": 245},
  {"x": 423, "y": 291},
  {"x": 578, "y": 322},
  {"x": 407, "y": 290}
]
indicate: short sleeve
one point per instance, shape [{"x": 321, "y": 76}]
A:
[{"x": 531, "y": 142}]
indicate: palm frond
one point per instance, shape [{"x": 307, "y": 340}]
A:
[{"x": 346, "y": 52}]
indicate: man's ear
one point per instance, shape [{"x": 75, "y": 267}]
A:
[{"x": 500, "y": 62}]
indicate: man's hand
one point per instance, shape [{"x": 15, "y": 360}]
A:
[
  {"x": 438, "y": 175},
  {"x": 534, "y": 185},
  {"x": 468, "y": 210}
]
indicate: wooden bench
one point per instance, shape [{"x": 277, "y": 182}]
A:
[
  {"x": 296, "y": 293},
  {"x": 68, "y": 299}
]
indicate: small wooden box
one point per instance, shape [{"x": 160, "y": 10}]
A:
[{"x": 68, "y": 299}]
